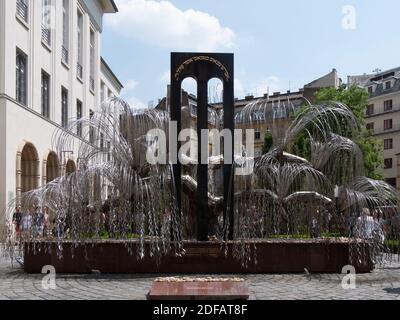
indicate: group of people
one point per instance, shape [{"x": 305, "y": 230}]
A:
[
  {"x": 371, "y": 224},
  {"x": 35, "y": 222}
]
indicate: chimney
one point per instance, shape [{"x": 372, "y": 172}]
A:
[
  {"x": 277, "y": 93},
  {"x": 249, "y": 97}
]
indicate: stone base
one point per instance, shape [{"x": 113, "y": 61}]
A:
[
  {"x": 217, "y": 290},
  {"x": 287, "y": 256}
]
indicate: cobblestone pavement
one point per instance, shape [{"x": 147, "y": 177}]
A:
[{"x": 383, "y": 283}]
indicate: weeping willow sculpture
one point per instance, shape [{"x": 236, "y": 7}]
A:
[{"x": 286, "y": 195}]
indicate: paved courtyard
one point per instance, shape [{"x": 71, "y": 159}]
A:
[{"x": 383, "y": 283}]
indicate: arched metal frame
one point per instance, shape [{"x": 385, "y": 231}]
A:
[{"x": 203, "y": 67}]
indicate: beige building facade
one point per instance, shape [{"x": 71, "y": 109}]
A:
[
  {"x": 383, "y": 116},
  {"x": 51, "y": 72}
]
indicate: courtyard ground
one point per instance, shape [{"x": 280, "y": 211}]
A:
[{"x": 383, "y": 283}]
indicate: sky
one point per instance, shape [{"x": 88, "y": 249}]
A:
[{"x": 278, "y": 45}]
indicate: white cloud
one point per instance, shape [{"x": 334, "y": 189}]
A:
[
  {"x": 166, "y": 77},
  {"x": 136, "y": 103},
  {"x": 162, "y": 24},
  {"x": 131, "y": 84},
  {"x": 239, "y": 88},
  {"x": 268, "y": 85},
  {"x": 190, "y": 85},
  {"x": 128, "y": 94}
]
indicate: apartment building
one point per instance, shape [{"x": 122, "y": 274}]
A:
[
  {"x": 383, "y": 116},
  {"x": 274, "y": 113},
  {"x": 51, "y": 72}
]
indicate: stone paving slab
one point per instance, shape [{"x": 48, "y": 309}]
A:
[{"x": 383, "y": 283}]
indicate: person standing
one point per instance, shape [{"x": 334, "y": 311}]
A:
[
  {"x": 37, "y": 221},
  {"x": 17, "y": 221},
  {"x": 27, "y": 222},
  {"x": 46, "y": 221}
]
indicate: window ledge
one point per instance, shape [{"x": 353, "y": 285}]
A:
[
  {"x": 44, "y": 44},
  {"x": 22, "y": 21},
  {"x": 79, "y": 79},
  {"x": 92, "y": 92},
  {"x": 66, "y": 65}
]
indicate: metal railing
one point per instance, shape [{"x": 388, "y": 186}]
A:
[
  {"x": 22, "y": 10},
  {"x": 383, "y": 111},
  {"x": 394, "y": 128},
  {"x": 64, "y": 55},
  {"x": 46, "y": 35},
  {"x": 79, "y": 70}
]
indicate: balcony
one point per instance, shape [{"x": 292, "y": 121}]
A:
[
  {"x": 395, "y": 128},
  {"x": 383, "y": 111},
  {"x": 64, "y": 55},
  {"x": 79, "y": 70},
  {"x": 46, "y": 35},
  {"x": 22, "y": 10}
]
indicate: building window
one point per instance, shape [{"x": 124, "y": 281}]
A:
[
  {"x": 257, "y": 134},
  {"x": 22, "y": 9},
  {"x": 92, "y": 44},
  {"x": 391, "y": 181},
  {"x": 388, "y": 163},
  {"x": 79, "y": 68},
  {"x": 46, "y": 22},
  {"x": 370, "y": 109},
  {"x": 388, "y": 105},
  {"x": 370, "y": 126},
  {"x": 91, "y": 128},
  {"x": 388, "y": 144},
  {"x": 388, "y": 85},
  {"x": 21, "y": 78},
  {"x": 370, "y": 89},
  {"x": 79, "y": 115},
  {"x": 45, "y": 95},
  {"x": 193, "y": 110},
  {"x": 65, "y": 45},
  {"x": 388, "y": 124},
  {"x": 102, "y": 93},
  {"x": 64, "y": 107}
]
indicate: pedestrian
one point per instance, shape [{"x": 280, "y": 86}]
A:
[
  {"x": 27, "y": 222},
  {"x": 17, "y": 221},
  {"x": 46, "y": 221},
  {"x": 37, "y": 222}
]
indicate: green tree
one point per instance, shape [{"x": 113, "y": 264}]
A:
[
  {"x": 356, "y": 99},
  {"x": 268, "y": 142}
]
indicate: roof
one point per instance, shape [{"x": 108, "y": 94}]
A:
[
  {"x": 379, "y": 79},
  {"x": 114, "y": 5},
  {"x": 111, "y": 72},
  {"x": 329, "y": 80},
  {"x": 109, "y": 6}
]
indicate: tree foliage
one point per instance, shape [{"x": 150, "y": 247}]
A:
[
  {"x": 268, "y": 142},
  {"x": 357, "y": 100}
]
